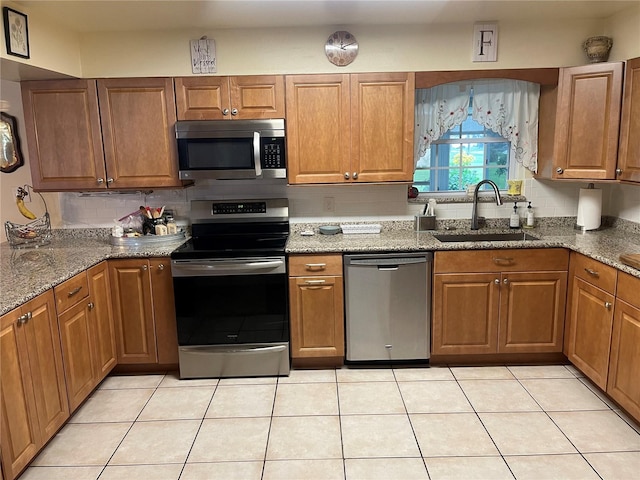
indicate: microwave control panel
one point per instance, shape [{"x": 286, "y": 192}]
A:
[{"x": 273, "y": 152}]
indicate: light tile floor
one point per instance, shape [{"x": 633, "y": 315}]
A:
[{"x": 351, "y": 423}]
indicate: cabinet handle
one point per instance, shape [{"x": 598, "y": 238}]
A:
[
  {"x": 74, "y": 291},
  {"x": 225, "y": 111},
  {"x": 100, "y": 181},
  {"x": 389, "y": 347},
  {"x": 618, "y": 171},
  {"x": 607, "y": 305},
  {"x": 559, "y": 170},
  {"x": 346, "y": 175},
  {"x": 593, "y": 273},
  {"x": 355, "y": 175},
  {"x": 314, "y": 282},
  {"x": 109, "y": 180},
  {"x": 22, "y": 319},
  {"x": 497, "y": 281},
  {"x": 90, "y": 305},
  {"x": 502, "y": 260},
  {"x": 506, "y": 281},
  {"x": 234, "y": 111},
  {"x": 320, "y": 266},
  {"x": 161, "y": 267},
  {"x": 144, "y": 267}
]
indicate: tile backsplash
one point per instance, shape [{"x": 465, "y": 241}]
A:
[{"x": 335, "y": 203}]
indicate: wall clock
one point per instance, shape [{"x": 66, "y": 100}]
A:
[{"x": 341, "y": 48}]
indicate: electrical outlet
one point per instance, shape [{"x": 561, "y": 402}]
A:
[{"x": 329, "y": 204}]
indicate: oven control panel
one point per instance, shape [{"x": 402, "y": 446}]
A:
[{"x": 234, "y": 208}]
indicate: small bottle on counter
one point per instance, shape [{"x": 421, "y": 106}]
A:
[
  {"x": 514, "y": 219},
  {"x": 531, "y": 220},
  {"x": 172, "y": 228}
]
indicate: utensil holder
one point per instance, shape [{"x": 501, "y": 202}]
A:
[{"x": 425, "y": 222}]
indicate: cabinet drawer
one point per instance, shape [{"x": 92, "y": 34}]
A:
[
  {"x": 305, "y": 265},
  {"x": 628, "y": 287},
  {"x": 594, "y": 272},
  {"x": 507, "y": 260},
  {"x": 70, "y": 292}
]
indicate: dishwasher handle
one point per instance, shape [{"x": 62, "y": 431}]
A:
[{"x": 387, "y": 263}]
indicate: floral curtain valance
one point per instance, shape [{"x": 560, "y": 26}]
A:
[{"x": 507, "y": 107}]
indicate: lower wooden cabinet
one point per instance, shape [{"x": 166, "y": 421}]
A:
[
  {"x": 33, "y": 400},
  {"x": 623, "y": 383},
  {"x": 499, "y": 301},
  {"x": 316, "y": 296},
  {"x": 87, "y": 334},
  {"x": 143, "y": 311}
]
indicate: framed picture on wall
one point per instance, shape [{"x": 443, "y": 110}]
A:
[{"x": 16, "y": 32}]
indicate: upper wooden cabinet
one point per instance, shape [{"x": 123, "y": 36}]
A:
[
  {"x": 127, "y": 141},
  {"x": 587, "y": 120},
  {"x": 629, "y": 153},
  {"x": 228, "y": 98},
  {"x": 350, "y": 128}
]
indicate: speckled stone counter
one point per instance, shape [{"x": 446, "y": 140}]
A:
[{"x": 26, "y": 273}]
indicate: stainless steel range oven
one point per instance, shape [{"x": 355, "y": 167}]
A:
[{"x": 231, "y": 294}]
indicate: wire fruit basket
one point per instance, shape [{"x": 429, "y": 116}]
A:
[{"x": 32, "y": 234}]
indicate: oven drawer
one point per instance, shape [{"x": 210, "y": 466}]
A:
[{"x": 219, "y": 361}]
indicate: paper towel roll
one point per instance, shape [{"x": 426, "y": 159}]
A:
[{"x": 589, "y": 208}]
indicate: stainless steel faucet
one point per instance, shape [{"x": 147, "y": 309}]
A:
[{"x": 474, "y": 212}]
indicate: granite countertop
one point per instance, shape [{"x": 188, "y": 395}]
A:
[{"x": 26, "y": 273}]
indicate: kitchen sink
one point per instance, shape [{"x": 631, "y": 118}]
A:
[{"x": 485, "y": 237}]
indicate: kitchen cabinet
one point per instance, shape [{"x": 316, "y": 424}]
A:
[
  {"x": 316, "y": 297},
  {"x": 86, "y": 331},
  {"x": 143, "y": 310},
  {"x": 629, "y": 153},
  {"x": 33, "y": 397},
  {"x": 624, "y": 362},
  {"x": 228, "y": 98},
  {"x": 98, "y": 134},
  {"x": 590, "y": 317},
  {"x": 587, "y": 120},
  {"x": 350, "y": 128},
  {"x": 499, "y": 301}
]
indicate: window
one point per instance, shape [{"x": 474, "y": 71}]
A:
[
  {"x": 470, "y": 131},
  {"x": 464, "y": 155}
]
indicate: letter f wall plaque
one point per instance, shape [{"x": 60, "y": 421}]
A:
[{"x": 485, "y": 42}]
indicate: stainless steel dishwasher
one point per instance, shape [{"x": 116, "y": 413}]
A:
[{"x": 388, "y": 305}]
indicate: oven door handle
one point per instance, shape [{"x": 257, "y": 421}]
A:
[
  {"x": 247, "y": 351},
  {"x": 201, "y": 267},
  {"x": 256, "y": 154}
]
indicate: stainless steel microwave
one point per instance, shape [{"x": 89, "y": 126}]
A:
[{"x": 231, "y": 149}]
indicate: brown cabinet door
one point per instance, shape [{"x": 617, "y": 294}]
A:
[
  {"x": 382, "y": 124},
  {"x": 591, "y": 319},
  {"x": 130, "y": 284},
  {"x": 257, "y": 96},
  {"x": 465, "y": 313},
  {"x": 45, "y": 359},
  {"x": 318, "y": 128},
  {"x": 164, "y": 310},
  {"x": 138, "y": 129},
  {"x": 202, "y": 98},
  {"x": 587, "y": 121},
  {"x": 101, "y": 321},
  {"x": 77, "y": 346},
  {"x": 20, "y": 437},
  {"x": 624, "y": 367},
  {"x": 63, "y": 132},
  {"x": 629, "y": 154},
  {"x": 317, "y": 319},
  {"x": 532, "y": 312}
]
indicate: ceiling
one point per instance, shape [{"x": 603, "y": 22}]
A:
[{"x": 125, "y": 15}]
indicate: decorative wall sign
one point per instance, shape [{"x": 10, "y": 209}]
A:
[
  {"x": 203, "y": 56},
  {"x": 485, "y": 42},
  {"x": 16, "y": 32}
]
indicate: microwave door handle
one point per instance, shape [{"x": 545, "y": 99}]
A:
[{"x": 256, "y": 154}]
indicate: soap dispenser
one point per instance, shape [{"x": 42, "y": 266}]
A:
[
  {"x": 514, "y": 219},
  {"x": 530, "y": 223}
]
